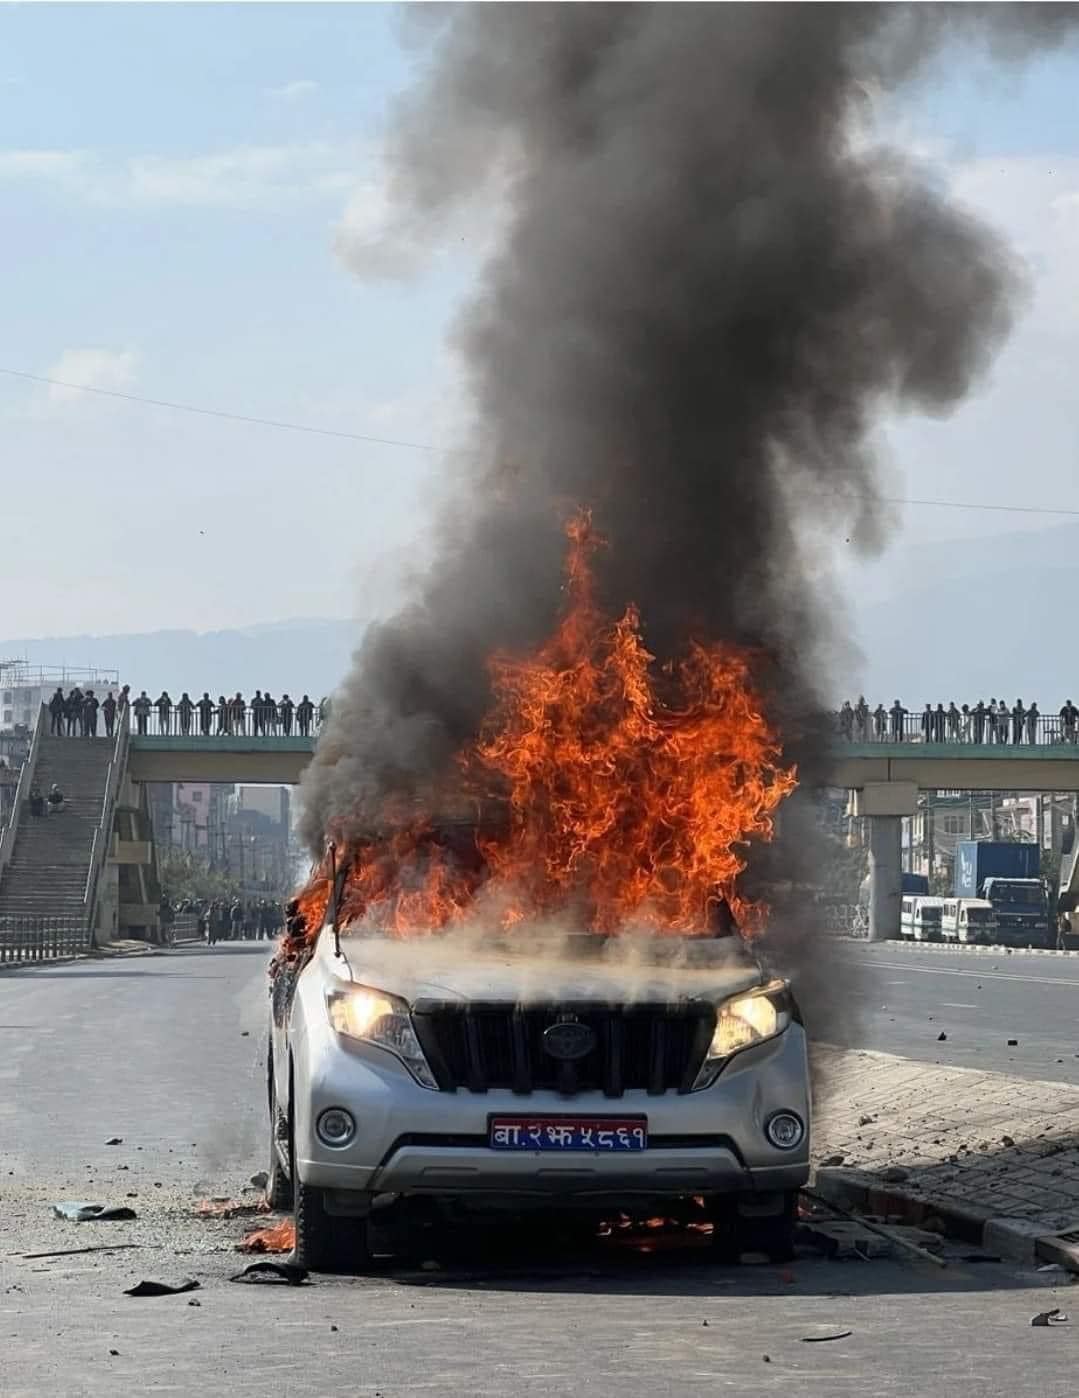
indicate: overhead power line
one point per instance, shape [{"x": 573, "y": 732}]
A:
[{"x": 434, "y": 450}]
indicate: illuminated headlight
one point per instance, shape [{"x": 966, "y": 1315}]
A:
[
  {"x": 744, "y": 1021},
  {"x": 376, "y": 1018}
]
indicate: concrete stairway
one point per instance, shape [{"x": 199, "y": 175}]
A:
[{"x": 46, "y": 876}]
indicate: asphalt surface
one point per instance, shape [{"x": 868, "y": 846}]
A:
[
  {"x": 165, "y": 1051},
  {"x": 907, "y": 997}
]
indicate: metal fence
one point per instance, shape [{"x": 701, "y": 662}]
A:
[
  {"x": 1041, "y": 730},
  {"x": 42, "y": 938},
  {"x": 226, "y": 721}
]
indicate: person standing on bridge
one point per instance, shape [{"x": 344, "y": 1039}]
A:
[
  {"x": 285, "y": 709},
  {"x": 846, "y": 721},
  {"x": 927, "y": 724},
  {"x": 224, "y": 716},
  {"x": 305, "y": 712},
  {"x": 861, "y": 720},
  {"x": 108, "y": 710},
  {"x": 90, "y": 706},
  {"x": 56, "y": 713},
  {"x": 1032, "y": 724},
  {"x": 205, "y": 707},
  {"x": 898, "y": 714},
  {"x": 1069, "y": 715},
  {"x": 954, "y": 720},
  {"x": 257, "y": 714},
  {"x": 880, "y": 722},
  {"x": 940, "y": 719},
  {"x": 185, "y": 708},
  {"x": 73, "y": 711},
  {"x": 991, "y": 720},
  {"x": 238, "y": 714},
  {"x": 978, "y": 714},
  {"x": 142, "y": 707},
  {"x": 269, "y": 715},
  {"x": 1003, "y": 722},
  {"x": 966, "y": 724},
  {"x": 163, "y": 705},
  {"x": 1018, "y": 715}
]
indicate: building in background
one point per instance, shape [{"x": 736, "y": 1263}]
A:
[{"x": 25, "y": 687}]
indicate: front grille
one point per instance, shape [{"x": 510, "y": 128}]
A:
[{"x": 652, "y": 1048}]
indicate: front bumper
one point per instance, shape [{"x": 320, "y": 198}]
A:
[{"x": 411, "y": 1140}]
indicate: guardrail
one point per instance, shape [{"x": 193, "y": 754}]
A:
[
  {"x": 1042, "y": 730},
  {"x": 103, "y": 830},
  {"x": 225, "y": 721},
  {"x": 22, "y": 791},
  {"x": 41, "y": 938}
]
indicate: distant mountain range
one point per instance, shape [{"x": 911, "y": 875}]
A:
[
  {"x": 963, "y": 619},
  {"x": 309, "y": 655}
]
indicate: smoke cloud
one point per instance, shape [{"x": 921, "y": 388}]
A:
[{"x": 705, "y": 287}]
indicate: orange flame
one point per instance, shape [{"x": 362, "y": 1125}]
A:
[
  {"x": 629, "y": 791},
  {"x": 281, "y": 1237}
]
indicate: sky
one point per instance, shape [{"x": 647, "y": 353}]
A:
[{"x": 175, "y": 182}]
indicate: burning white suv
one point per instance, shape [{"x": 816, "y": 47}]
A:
[{"x": 604, "y": 1073}]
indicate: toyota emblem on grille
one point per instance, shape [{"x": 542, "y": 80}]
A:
[{"x": 568, "y": 1041}]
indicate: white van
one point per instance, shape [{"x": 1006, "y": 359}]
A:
[
  {"x": 920, "y": 918},
  {"x": 968, "y": 920}
]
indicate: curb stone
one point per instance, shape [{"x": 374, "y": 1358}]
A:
[{"x": 1018, "y": 1239}]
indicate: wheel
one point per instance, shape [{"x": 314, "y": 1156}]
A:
[
  {"x": 326, "y": 1242},
  {"x": 755, "y": 1223}
]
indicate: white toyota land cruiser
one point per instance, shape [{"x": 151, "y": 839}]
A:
[{"x": 614, "y": 1073}]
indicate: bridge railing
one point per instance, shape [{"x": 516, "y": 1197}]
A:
[
  {"x": 22, "y": 791},
  {"x": 42, "y": 938},
  {"x": 1042, "y": 730},
  {"x": 232, "y": 721}
]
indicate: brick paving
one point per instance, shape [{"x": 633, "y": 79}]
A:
[{"x": 989, "y": 1144}]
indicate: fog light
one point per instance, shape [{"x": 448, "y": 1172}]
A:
[
  {"x": 335, "y": 1127},
  {"x": 785, "y": 1130}
]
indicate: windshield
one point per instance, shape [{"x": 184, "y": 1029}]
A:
[
  {"x": 1014, "y": 893},
  {"x": 929, "y": 914},
  {"x": 979, "y": 914}
]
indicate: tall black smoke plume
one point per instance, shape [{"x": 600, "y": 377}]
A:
[{"x": 706, "y": 287}]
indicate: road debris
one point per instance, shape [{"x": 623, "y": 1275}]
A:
[
  {"x": 78, "y": 1212},
  {"x": 156, "y": 1288},
  {"x": 228, "y": 1208},
  {"x": 941, "y": 1037},
  {"x": 1013, "y": 1043},
  {"x": 832, "y": 1160},
  {"x": 260, "y": 1179},
  {"x": 1054, "y": 1317},
  {"x": 115, "y": 1141},
  {"x": 823, "y": 1339},
  {"x": 891, "y": 1235},
  {"x": 261, "y": 1273},
  {"x": 73, "y": 1252}
]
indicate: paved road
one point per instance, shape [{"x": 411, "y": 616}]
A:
[
  {"x": 164, "y": 1052},
  {"x": 908, "y": 997}
]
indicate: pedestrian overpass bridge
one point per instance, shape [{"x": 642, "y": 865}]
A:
[{"x": 887, "y": 774}]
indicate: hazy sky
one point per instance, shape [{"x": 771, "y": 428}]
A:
[{"x": 172, "y": 182}]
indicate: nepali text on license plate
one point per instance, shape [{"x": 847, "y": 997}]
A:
[{"x": 568, "y": 1133}]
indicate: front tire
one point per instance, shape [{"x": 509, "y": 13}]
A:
[
  {"x": 737, "y": 1231},
  {"x": 326, "y": 1242}
]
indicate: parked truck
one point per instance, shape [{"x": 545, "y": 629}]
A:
[{"x": 1007, "y": 875}]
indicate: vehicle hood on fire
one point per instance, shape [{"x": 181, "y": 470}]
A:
[{"x": 617, "y": 970}]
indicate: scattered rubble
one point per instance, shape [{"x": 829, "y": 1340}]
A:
[
  {"x": 1054, "y": 1317},
  {"x": 262, "y": 1272},
  {"x": 156, "y": 1288},
  {"x": 823, "y": 1339},
  {"x": 77, "y": 1212}
]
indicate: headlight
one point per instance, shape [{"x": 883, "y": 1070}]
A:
[
  {"x": 380, "y": 1019},
  {"x": 743, "y": 1021}
]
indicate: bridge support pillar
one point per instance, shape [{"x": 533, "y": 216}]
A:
[{"x": 885, "y": 876}]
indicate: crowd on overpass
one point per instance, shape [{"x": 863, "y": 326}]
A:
[
  {"x": 78, "y": 713},
  {"x": 995, "y": 722}
]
